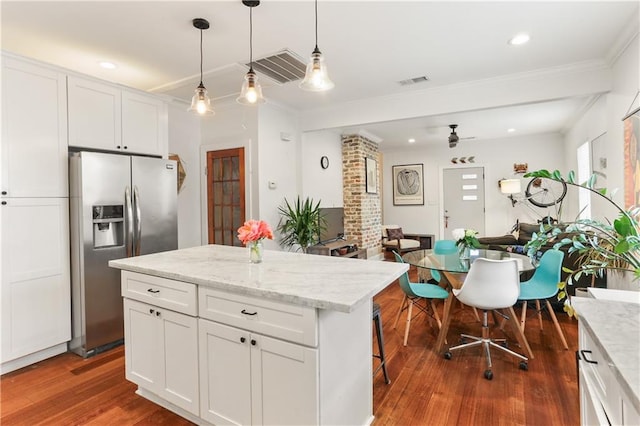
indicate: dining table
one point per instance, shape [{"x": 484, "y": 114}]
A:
[{"x": 454, "y": 269}]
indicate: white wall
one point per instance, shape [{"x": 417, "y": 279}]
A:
[
  {"x": 496, "y": 156},
  {"x": 184, "y": 140},
  {"x": 324, "y": 185},
  {"x": 605, "y": 116},
  {"x": 278, "y": 163}
]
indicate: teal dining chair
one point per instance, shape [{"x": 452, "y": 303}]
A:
[
  {"x": 433, "y": 275},
  {"x": 413, "y": 294},
  {"x": 542, "y": 286}
]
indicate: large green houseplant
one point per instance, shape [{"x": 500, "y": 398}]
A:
[
  {"x": 611, "y": 246},
  {"x": 301, "y": 223}
]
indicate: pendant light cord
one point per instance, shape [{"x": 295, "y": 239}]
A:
[
  {"x": 200, "y": 57},
  {"x": 316, "y": 24},
  {"x": 251, "y": 38}
]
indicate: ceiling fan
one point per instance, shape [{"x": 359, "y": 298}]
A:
[{"x": 454, "y": 138}]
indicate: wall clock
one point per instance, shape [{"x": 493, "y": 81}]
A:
[{"x": 324, "y": 162}]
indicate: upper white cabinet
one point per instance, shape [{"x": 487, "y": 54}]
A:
[
  {"x": 144, "y": 124},
  {"x": 34, "y": 130},
  {"x": 106, "y": 117},
  {"x": 94, "y": 115}
]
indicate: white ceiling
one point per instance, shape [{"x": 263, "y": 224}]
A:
[{"x": 369, "y": 46}]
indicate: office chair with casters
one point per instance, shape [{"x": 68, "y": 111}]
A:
[
  {"x": 413, "y": 293},
  {"x": 490, "y": 285},
  {"x": 542, "y": 286}
]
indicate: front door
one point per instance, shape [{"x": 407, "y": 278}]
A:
[
  {"x": 225, "y": 195},
  {"x": 463, "y": 200}
]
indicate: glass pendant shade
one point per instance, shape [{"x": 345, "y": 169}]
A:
[
  {"x": 316, "y": 77},
  {"x": 251, "y": 93},
  {"x": 201, "y": 102}
]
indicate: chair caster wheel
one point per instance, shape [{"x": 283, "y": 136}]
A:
[
  {"x": 524, "y": 366},
  {"x": 447, "y": 355},
  {"x": 488, "y": 374}
]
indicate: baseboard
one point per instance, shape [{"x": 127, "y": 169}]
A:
[
  {"x": 27, "y": 360},
  {"x": 171, "y": 407}
]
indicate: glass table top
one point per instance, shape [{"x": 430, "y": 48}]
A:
[{"x": 451, "y": 261}]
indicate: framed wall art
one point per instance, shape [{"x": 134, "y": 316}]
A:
[
  {"x": 408, "y": 185},
  {"x": 371, "y": 173}
]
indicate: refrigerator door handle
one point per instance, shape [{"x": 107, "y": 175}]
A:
[
  {"x": 137, "y": 222},
  {"x": 128, "y": 222}
]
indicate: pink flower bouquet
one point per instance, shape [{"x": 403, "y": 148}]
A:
[{"x": 254, "y": 230}]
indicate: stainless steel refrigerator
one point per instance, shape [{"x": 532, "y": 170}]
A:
[{"x": 120, "y": 206}]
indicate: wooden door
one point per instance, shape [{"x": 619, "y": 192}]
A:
[{"x": 225, "y": 195}]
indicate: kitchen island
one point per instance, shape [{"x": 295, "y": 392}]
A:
[{"x": 217, "y": 339}]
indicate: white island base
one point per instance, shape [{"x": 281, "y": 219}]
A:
[{"x": 218, "y": 343}]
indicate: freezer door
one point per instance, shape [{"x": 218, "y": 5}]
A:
[
  {"x": 98, "y": 221},
  {"x": 155, "y": 201}
]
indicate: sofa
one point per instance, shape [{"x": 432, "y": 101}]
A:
[{"x": 521, "y": 235}]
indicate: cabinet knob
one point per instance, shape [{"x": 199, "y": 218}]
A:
[
  {"x": 4, "y": 203},
  {"x": 118, "y": 146},
  {"x": 253, "y": 342},
  {"x": 4, "y": 192},
  {"x": 151, "y": 311},
  {"x": 242, "y": 340},
  {"x": 157, "y": 313},
  {"x": 125, "y": 147}
]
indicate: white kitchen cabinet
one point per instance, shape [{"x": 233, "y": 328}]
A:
[
  {"x": 602, "y": 401},
  {"x": 161, "y": 346},
  {"x": 107, "y": 117},
  {"x": 144, "y": 124},
  {"x": 34, "y": 130},
  {"x": 94, "y": 115},
  {"x": 247, "y": 378},
  {"x": 36, "y": 312}
]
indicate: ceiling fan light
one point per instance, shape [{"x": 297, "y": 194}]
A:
[
  {"x": 251, "y": 93},
  {"x": 200, "y": 101},
  {"x": 316, "y": 77}
]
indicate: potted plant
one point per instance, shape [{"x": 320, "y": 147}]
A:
[
  {"x": 301, "y": 223},
  {"x": 601, "y": 245}
]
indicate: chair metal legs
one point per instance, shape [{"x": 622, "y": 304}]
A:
[
  {"x": 486, "y": 343},
  {"x": 381, "y": 356}
]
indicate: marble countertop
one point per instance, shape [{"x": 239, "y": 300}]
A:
[
  {"x": 615, "y": 327},
  {"x": 323, "y": 282}
]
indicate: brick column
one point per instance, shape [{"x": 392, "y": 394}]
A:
[{"x": 362, "y": 211}]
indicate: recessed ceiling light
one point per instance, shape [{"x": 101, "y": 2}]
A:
[
  {"x": 412, "y": 140},
  {"x": 108, "y": 65},
  {"x": 518, "y": 39},
  {"x": 511, "y": 130}
]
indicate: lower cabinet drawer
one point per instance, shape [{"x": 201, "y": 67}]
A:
[
  {"x": 296, "y": 324},
  {"x": 169, "y": 294}
]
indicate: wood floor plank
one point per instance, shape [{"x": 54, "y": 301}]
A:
[{"x": 425, "y": 388}]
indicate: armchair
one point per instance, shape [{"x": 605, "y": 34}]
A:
[{"x": 394, "y": 239}]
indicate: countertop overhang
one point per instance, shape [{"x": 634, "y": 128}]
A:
[{"x": 322, "y": 282}]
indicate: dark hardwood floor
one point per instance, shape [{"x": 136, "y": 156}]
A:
[{"x": 425, "y": 388}]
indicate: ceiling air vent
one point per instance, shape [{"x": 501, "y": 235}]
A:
[
  {"x": 283, "y": 67},
  {"x": 414, "y": 80}
]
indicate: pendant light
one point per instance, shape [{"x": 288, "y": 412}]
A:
[
  {"x": 200, "y": 101},
  {"x": 251, "y": 93},
  {"x": 316, "y": 77}
]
